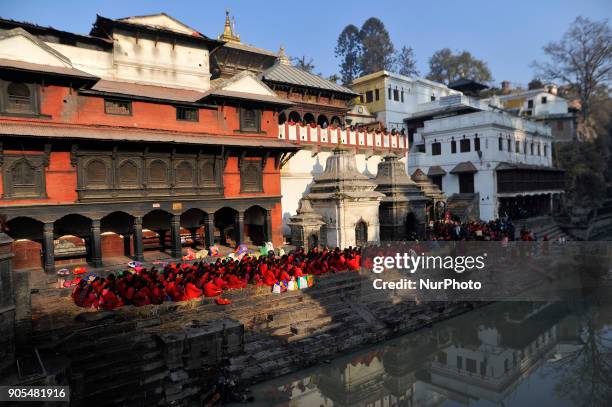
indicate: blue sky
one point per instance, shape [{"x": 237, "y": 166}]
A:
[{"x": 508, "y": 35}]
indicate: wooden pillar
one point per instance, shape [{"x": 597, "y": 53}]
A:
[
  {"x": 239, "y": 227},
  {"x": 162, "y": 239},
  {"x": 175, "y": 230},
  {"x": 268, "y": 225},
  {"x": 48, "y": 248},
  {"x": 138, "y": 245},
  {"x": 95, "y": 243},
  {"x": 210, "y": 229}
]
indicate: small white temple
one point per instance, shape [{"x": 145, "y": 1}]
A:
[{"x": 347, "y": 201}]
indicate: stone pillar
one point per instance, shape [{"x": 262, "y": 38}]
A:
[
  {"x": 162, "y": 239},
  {"x": 138, "y": 246},
  {"x": 268, "y": 225},
  {"x": 210, "y": 229},
  {"x": 239, "y": 227},
  {"x": 7, "y": 307},
  {"x": 175, "y": 230},
  {"x": 95, "y": 244},
  {"x": 48, "y": 248}
]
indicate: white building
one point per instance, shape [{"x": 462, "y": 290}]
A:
[
  {"x": 478, "y": 152},
  {"x": 392, "y": 97}
]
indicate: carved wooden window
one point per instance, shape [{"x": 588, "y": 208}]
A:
[
  {"x": 128, "y": 173},
  {"x": 251, "y": 176},
  {"x": 158, "y": 172},
  {"x": 96, "y": 172},
  {"x": 250, "y": 120},
  {"x": 19, "y": 98},
  {"x": 207, "y": 173},
  {"x": 189, "y": 114},
  {"x": 118, "y": 107},
  {"x": 184, "y": 172},
  {"x": 24, "y": 177}
]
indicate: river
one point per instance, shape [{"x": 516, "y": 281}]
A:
[{"x": 505, "y": 354}]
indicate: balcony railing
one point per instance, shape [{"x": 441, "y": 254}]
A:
[{"x": 332, "y": 136}]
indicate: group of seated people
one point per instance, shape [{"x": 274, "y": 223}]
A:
[
  {"x": 499, "y": 229},
  {"x": 181, "y": 282}
]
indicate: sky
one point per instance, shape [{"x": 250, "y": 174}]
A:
[{"x": 507, "y": 35}]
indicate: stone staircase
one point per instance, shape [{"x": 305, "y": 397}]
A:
[
  {"x": 542, "y": 226},
  {"x": 464, "y": 206}
]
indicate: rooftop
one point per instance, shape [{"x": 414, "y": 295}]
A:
[{"x": 282, "y": 73}]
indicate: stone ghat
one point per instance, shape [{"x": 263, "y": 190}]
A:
[{"x": 163, "y": 354}]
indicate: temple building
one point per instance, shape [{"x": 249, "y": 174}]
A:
[
  {"x": 117, "y": 145},
  {"x": 488, "y": 162}
]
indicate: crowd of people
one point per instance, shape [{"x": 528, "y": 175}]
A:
[
  {"x": 183, "y": 281},
  {"x": 496, "y": 230}
]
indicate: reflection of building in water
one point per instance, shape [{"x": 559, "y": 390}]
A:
[{"x": 490, "y": 361}]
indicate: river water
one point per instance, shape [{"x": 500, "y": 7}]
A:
[{"x": 505, "y": 354}]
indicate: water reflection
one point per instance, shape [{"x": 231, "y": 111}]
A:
[{"x": 508, "y": 354}]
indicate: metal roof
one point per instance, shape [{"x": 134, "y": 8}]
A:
[
  {"x": 291, "y": 75},
  {"x": 55, "y": 70},
  {"x": 435, "y": 170},
  {"x": 116, "y": 133},
  {"x": 148, "y": 91},
  {"x": 232, "y": 94}
]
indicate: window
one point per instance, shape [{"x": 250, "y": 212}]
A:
[
  {"x": 500, "y": 144},
  {"x": 396, "y": 95},
  {"x": 251, "y": 176},
  {"x": 470, "y": 365},
  {"x": 509, "y": 145},
  {"x": 437, "y": 180},
  {"x": 453, "y": 146},
  {"x": 436, "y": 148},
  {"x": 531, "y": 148},
  {"x": 530, "y": 104},
  {"x": 128, "y": 173},
  {"x": 377, "y": 94},
  {"x": 464, "y": 145},
  {"x": 158, "y": 172},
  {"x": 369, "y": 96},
  {"x": 361, "y": 99},
  {"x": 117, "y": 107},
  {"x": 389, "y": 93},
  {"x": 184, "y": 173},
  {"x": 544, "y": 100},
  {"x": 459, "y": 362},
  {"x": 95, "y": 172},
  {"x": 19, "y": 98},
  {"x": 433, "y": 98},
  {"x": 476, "y": 143},
  {"x": 539, "y": 149},
  {"x": 402, "y": 95},
  {"x": 559, "y": 125},
  {"x": 545, "y": 149},
  {"x": 189, "y": 114},
  {"x": 24, "y": 177},
  {"x": 249, "y": 120},
  {"x": 525, "y": 147},
  {"x": 517, "y": 146}
]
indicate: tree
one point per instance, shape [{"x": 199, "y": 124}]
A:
[
  {"x": 405, "y": 62},
  {"x": 348, "y": 49},
  {"x": 304, "y": 63},
  {"x": 581, "y": 59},
  {"x": 377, "y": 48},
  {"x": 445, "y": 67},
  {"x": 334, "y": 78},
  {"x": 535, "y": 83}
]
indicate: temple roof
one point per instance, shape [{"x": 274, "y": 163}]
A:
[
  {"x": 435, "y": 170},
  {"x": 117, "y": 133},
  {"x": 465, "y": 167},
  {"x": 287, "y": 74}
]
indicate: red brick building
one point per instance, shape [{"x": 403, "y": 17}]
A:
[{"x": 116, "y": 145}]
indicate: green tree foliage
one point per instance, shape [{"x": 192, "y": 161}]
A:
[
  {"x": 304, "y": 63},
  {"x": 445, "y": 67},
  {"x": 581, "y": 59},
  {"x": 349, "y": 50},
  {"x": 405, "y": 62},
  {"x": 377, "y": 48}
]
